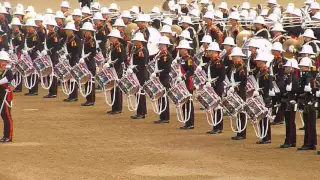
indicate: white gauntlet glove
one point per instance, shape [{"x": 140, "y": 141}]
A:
[
  {"x": 318, "y": 93},
  {"x": 289, "y": 87},
  {"x": 307, "y": 88},
  {"x": 256, "y": 93},
  {"x": 272, "y": 93}
]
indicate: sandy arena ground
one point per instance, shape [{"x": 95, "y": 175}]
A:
[{"x": 56, "y": 140}]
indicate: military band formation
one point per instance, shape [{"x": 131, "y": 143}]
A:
[{"x": 241, "y": 63}]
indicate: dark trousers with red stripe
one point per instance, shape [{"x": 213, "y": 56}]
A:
[
  {"x": 53, "y": 90},
  {"x": 142, "y": 106},
  {"x": 92, "y": 96},
  {"x": 290, "y": 119},
  {"x": 265, "y": 123},
  {"x": 243, "y": 122},
  {"x": 19, "y": 86},
  {"x": 74, "y": 94},
  {"x": 7, "y": 120},
  {"x": 165, "y": 115},
  {"x": 310, "y": 130},
  {"x": 35, "y": 88},
  {"x": 187, "y": 105},
  {"x": 219, "y": 116},
  {"x": 117, "y": 106}
]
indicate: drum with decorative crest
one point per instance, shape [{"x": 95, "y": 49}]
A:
[
  {"x": 14, "y": 60},
  {"x": 250, "y": 86},
  {"x": 107, "y": 78},
  {"x": 63, "y": 71},
  {"x": 43, "y": 65},
  {"x": 25, "y": 66},
  {"x": 179, "y": 94},
  {"x": 208, "y": 98},
  {"x": 81, "y": 73},
  {"x": 151, "y": 66},
  {"x": 232, "y": 104},
  {"x": 255, "y": 109},
  {"x": 154, "y": 89},
  {"x": 199, "y": 78},
  {"x": 129, "y": 84}
]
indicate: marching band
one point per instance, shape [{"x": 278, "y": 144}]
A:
[{"x": 244, "y": 63}]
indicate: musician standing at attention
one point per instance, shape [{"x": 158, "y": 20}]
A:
[
  {"x": 89, "y": 45},
  {"x": 217, "y": 70},
  {"x": 306, "y": 96},
  {"x": 235, "y": 28},
  {"x": 53, "y": 46},
  {"x": 240, "y": 75},
  {"x": 140, "y": 59},
  {"x": 187, "y": 71},
  {"x": 260, "y": 30},
  {"x": 228, "y": 44},
  {"x": 267, "y": 91},
  {"x": 118, "y": 54},
  {"x": 74, "y": 47},
  {"x": 289, "y": 99},
  {"x": 101, "y": 32},
  {"x": 212, "y": 29},
  {"x": 33, "y": 41},
  {"x": 164, "y": 64},
  {"x": 6, "y": 77}
]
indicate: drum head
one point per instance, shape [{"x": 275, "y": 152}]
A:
[{"x": 153, "y": 41}]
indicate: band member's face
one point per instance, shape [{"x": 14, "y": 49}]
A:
[
  {"x": 3, "y": 65},
  {"x": 85, "y": 15},
  {"x": 112, "y": 10},
  {"x": 270, "y": 5},
  {"x": 205, "y": 45},
  {"x": 228, "y": 48},
  {"x": 97, "y": 22},
  {"x": 314, "y": 11},
  {"x": 307, "y": 39},
  {"x": 19, "y": 16},
  {"x": 276, "y": 33},
  {"x": 30, "y": 28},
  {"x": 166, "y": 34},
  {"x": 185, "y": 25},
  {"x": 258, "y": 26},
  {"x": 163, "y": 47},
  {"x": 183, "y": 5},
  {"x": 141, "y": 24},
  {"x": 236, "y": 59},
  {"x": 305, "y": 55},
  {"x": 105, "y": 16},
  {"x": 114, "y": 40},
  {"x": 50, "y": 28},
  {"x": 207, "y": 20},
  {"x": 304, "y": 68},
  {"x": 260, "y": 64},
  {"x": 38, "y": 23},
  {"x": 76, "y": 18},
  {"x": 69, "y": 32},
  {"x": 288, "y": 69},
  {"x": 233, "y": 22},
  {"x": 64, "y": 9},
  {"x": 59, "y": 21},
  {"x": 120, "y": 28},
  {"x": 86, "y": 33},
  {"x": 15, "y": 28},
  {"x": 183, "y": 52},
  {"x": 223, "y": 10},
  {"x": 126, "y": 20},
  {"x": 137, "y": 43},
  {"x": 253, "y": 50},
  {"x": 213, "y": 54},
  {"x": 275, "y": 53}
]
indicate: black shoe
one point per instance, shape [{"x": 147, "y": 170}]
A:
[
  {"x": 302, "y": 128},
  {"x": 31, "y": 94},
  {"x": 187, "y": 127},
  {"x": 2, "y": 139},
  {"x": 276, "y": 123},
  {"x": 108, "y": 112},
  {"x": 115, "y": 112},
  {"x": 293, "y": 145},
  {"x": 264, "y": 142},
  {"x": 318, "y": 152},
  {"x": 17, "y": 90},
  {"x": 87, "y": 104},
  {"x": 214, "y": 131},
  {"x": 50, "y": 96},
  {"x": 138, "y": 117},
  {"x": 305, "y": 148},
  {"x": 5, "y": 140},
  {"x": 70, "y": 100},
  {"x": 238, "y": 138},
  {"x": 285, "y": 146},
  {"x": 157, "y": 122}
]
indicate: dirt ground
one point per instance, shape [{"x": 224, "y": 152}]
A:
[{"x": 54, "y": 140}]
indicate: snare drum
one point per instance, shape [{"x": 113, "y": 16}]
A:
[
  {"x": 255, "y": 109},
  {"x": 14, "y": 62},
  {"x": 232, "y": 104},
  {"x": 129, "y": 84},
  {"x": 154, "y": 89},
  {"x": 99, "y": 59},
  {"x": 62, "y": 71},
  {"x": 81, "y": 73},
  {"x": 43, "y": 65},
  {"x": 208, "y": 98},
  {"x": 179, "y": 94},
  {"x": 107, "y": 78},
  {"x": 24, "y": 66},
  {"x": 199, "y": 78}
]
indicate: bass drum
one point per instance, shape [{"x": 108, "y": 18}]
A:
[
  {"x": 264, "y": 44},
  {"x": 153, "y": 41}
]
